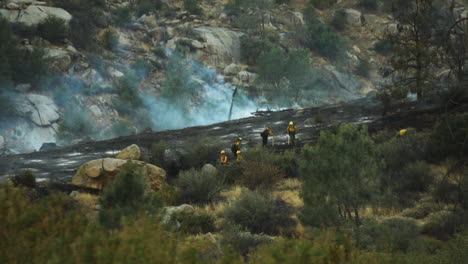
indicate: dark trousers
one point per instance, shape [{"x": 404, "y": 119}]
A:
[
  {"x": 265, "y": 140},
  {"x": 292, "y": 138}
]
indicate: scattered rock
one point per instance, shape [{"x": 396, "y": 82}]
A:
[
  {"x": 60, "y": 59},
  {"x": 232, "y": 69},
  {"x": 172, "y": 214},
  {"x": 131, "y": 152},
  {"x": 23, "y": 88},
  {"x": 209, "y": 169},
  {"x": 114, "y": 73},
  {"x": 96, "y": 174},
  {"x": 48, "y": 146},
  {"x": 13, "y": 6},
  {"x": 353, "y": 17}
]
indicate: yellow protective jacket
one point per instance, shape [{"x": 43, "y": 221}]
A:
[
  {"x": 292, "y": 129},
  {"x": 224, "y": 159}
]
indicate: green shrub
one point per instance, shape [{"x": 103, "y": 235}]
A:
[
  {"x": 128, "y": 91},
  {"x": 403, "y": 173},
  {"x": 125, "y": 196},
  {"x": 383, "y": 47},
  {"x": 329, "y": 186},
  {"x": 322, "y": 4},
  {"x": 395, "y": 234},
  {"x": 449, "y": 136},
  {"x": 141, "y": 68},
  {"x": 321, "y": 39},
  {"x": 40, "y": 230},
  {"x": 363, "y": 68},
  {"x": 231, "y": 173},
  {"x": 369, "y": 4},
  {"x": 197, "y": 224},
  {"x": 84, "y": 32},
  {"x": 417, "y": 176},
  {"x": 200, "y": 152},
  {"x": 53, "y": 29},
  {"x": 443, "y": 224},
  {"x": 252, "y": 47},
  {"x": 120, "y": 128},
  {"x": 160, "y": 52},
  {"x": 76, "y": 123},
  {"x": 260, "y": 175},
  {"x": 158, "y": 151},
  {"x": 199, "y": 186},
  {"x": 420, "y": 211},
  {"x": 110, "y": 40},
  {"x": 24, "y": 178},
  {"x": 192, "y": 7},
  {"x": 261, "y": 213},
  {"x": 148, "y": 6},
  {"x": 242, "y": 241},
  {"x": 339, "y": 20},
  {"x": 123, "y": 15}
]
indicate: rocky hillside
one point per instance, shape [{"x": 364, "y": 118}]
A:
[{"x": 81, "y": 69}]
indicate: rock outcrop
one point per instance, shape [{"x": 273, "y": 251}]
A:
[
  {"x": 353, "y": 17},
  {"x": 40, "y": 109},
  {"x": 222, "y": 45},
  {"x": 96, "y": 174},
  {"x": 34, "y": 14},
  {"x": 131, "y": 152},
  {"x": 172, "y": 214}
]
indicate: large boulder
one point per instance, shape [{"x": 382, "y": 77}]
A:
[
  {"x": 60, "y": 59},
  {"x": 33, "y": 14},
  {"x": 222, "y": 45},
  {"x": 232, "y": 69},
  {"x": 40, "y": 109},
  {"x": 171, "y": 215},
  {"x": 353, "y": 17},
  {"x": 209, "y": 169},
  {"x": 96, "y": 174},
  {"x": 131, "y": 152}
]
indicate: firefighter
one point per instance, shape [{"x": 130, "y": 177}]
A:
[
  {"x": 238, "y": 156},
  {"x": 265, "y": 134},
  {"x": 402, "y": 132},
  {"x": 223, "y": 158},
  {"x": 236, "y": 146},
  {"x": 292, "y": 130}
]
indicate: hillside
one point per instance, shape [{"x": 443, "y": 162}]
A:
[{"x": 105, "y": 69}]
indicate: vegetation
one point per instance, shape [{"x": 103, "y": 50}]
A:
[
  {"x": 148, "y": 6},
  {"x": 339, "y": 20},
  {"x": 322, "y": 4},
  {"x": 259, "y": 213},
  {"x": 192, "y": 7},
  {"x": 110, "y": 40},
  {"x": 126, "y": 196},
  {"x": 199, "y": 186},
  {"x": 53, "y": 29},
  {"x": 24, "y": 178},
  {"x": 319, "y": 37},
  {"x": 353, "y": 181}
]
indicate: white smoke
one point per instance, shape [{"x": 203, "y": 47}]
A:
[{"x": 216, "y": 98}]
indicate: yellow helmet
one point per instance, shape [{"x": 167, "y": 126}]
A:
[
  {"x": 402, "y": 132},
  {"x": 238, "y": 152},
  {"x": 239, "y": 138},
  {"x": 223, "y": 152},
  {"x": 291, "y": 123}
]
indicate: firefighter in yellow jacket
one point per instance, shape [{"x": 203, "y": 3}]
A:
[
  {"x": 223, "y": 158},
  {"x": 291, "y": 130}
]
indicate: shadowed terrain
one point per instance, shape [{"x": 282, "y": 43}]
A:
[{"x": 62, "y": 163}]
